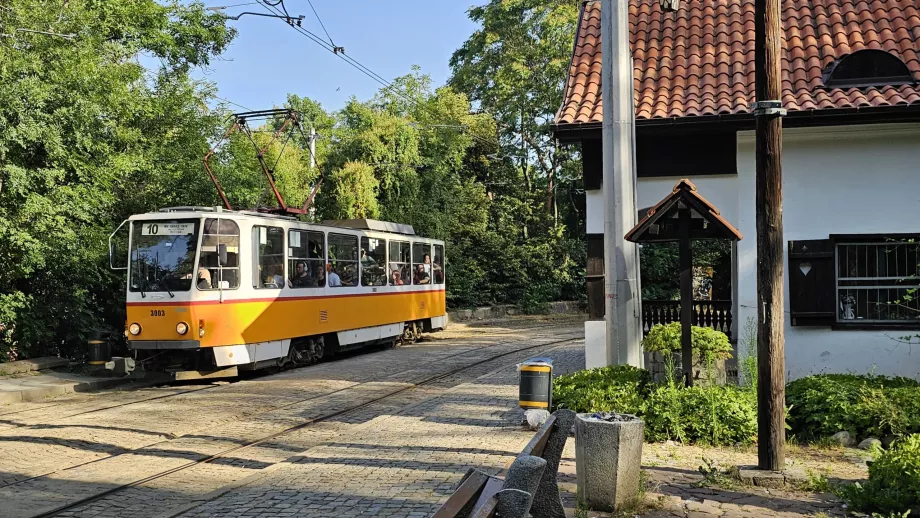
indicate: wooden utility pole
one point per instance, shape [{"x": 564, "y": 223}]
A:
[
  {"x": 685, "y": 247},
  {"x": 771, "y": 380}
]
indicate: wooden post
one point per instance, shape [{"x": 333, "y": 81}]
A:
[
  {"x": 685, "y": 247},
  {"x": 771, "y": 390}
]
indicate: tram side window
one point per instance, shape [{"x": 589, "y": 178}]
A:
[
  {"x": 268, "y": 247},
  {"x": 373, "y": 262},
  {"x": 343, "y": 260},
  {"x": 421, "y": 263},
  {"x": 211, "y": 274},
  {"x": 305, "y": 259},
  {"x": 400, "y": 259},
  {"x": 438, "y": 264}
]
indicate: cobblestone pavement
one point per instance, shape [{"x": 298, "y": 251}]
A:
[
  {"x": 397, "y": 456},
  {"x": 60, "y": 451}
]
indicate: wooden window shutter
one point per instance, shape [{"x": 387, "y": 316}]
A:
[
  {"x": 812, "y": 283},
  {"x": 594, "y": 275},
  {"x": 592, "y": 163}
]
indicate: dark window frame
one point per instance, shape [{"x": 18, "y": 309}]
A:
[
  {"x": 875, "y": 241},
  {"x": 815, "y": 283}
]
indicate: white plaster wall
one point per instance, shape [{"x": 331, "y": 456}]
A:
[
  {"x": 721, "y": 191},
  {"x": 835, "y": 181}
]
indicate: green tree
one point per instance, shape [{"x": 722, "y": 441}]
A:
[
  {"x": 87, "y": 137},
  {"x": 515, "y": 67}
]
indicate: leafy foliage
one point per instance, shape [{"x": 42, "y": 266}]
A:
[
  {"x": 87, "y": 137},
  {"x": 708, "y": 415},
  {"x": 825, "y": 404},
  {"x": 620, "y": 389},
  {"x": 893, "y": 488},
  {"x": 706, "y": 343}
]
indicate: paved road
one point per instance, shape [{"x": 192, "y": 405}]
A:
[{"x": 387, "y": 433}]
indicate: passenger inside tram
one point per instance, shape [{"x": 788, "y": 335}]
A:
[
  {"x": 301, "y": 278},
  {"x": 421, "y": 276},
  {"x": 395, "y": 280},
  {"x": 204, "y": 279},
  {"x": 334, "y": 281}
]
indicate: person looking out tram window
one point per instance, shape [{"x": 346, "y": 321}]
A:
[
  {"x": 395, "y": 280},
  {"x": 427, "y": 264},
  {"x": 421, "y": 276}
]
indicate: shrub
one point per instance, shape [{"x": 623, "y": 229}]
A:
[
  {"x": 709, "y": 415},
  {"x": 621, "y": 388},
  {"x": 706, "y": 343},
  {"x": 894, "y": 481},
  {"x": 825, "y": 404}
]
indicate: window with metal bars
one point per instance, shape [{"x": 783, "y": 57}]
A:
[{"x": 877, "y": 281}]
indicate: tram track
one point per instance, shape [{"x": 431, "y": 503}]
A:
[
  {"x": 312, "y": 421},
  {"x": 465, "y": 349},
  {"x": 15, "y": 426},
  {"x": 171, "y": 437}
]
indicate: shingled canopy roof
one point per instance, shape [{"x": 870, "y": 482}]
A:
[
  {"x": 660, "y": 224},
  {"x": 700, "y": 60}
]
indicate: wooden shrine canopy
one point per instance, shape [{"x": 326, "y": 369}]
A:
[
  {"x": 683, "y": 216},
  {"x": 662, "y": 222}
]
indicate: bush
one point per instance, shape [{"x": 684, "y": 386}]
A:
[
  {"x": 894, "y": 481},
  {"x": 709, "y": 415},
  {"x": 621, "y": 389},
  {"x": 825, "y": 404},
  {"x": 706, "y": 343}
]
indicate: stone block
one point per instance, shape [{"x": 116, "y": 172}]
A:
[
  {"x": 867, "y": 444},
  {"x": 844, "y": 439},
  {"x": 482, "y": 313},
  {"x": 608, "y": 459},
  {"x": 461, "y": 315}
]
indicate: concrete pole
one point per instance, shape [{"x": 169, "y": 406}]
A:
[{"x": 621, "y": 258}]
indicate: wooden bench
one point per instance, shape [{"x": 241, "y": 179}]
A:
[{"x": 529, "y": 486}]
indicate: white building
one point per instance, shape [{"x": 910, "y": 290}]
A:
[{"x": 851, "y": 160}]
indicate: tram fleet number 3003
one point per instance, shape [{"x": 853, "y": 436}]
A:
[{"x": 211, "y": 291}]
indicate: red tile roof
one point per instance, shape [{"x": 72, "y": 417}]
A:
[{"x": 700, "y": 60}]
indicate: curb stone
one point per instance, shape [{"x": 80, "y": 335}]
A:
[{"x": 34, "y": 394}]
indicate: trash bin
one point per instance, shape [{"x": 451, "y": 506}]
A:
[
  {"x": 608, "y": 459},
  {"x": 536, "y": 383},
  {"x": 98, "y": 352}
]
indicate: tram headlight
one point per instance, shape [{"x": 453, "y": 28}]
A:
[
  {"x": 201, "y": 329},
  {"x": 182, "y": 328},
  {"x": 134, "y": 329}
]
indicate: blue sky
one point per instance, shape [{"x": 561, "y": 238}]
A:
[{"x": 269, "y": 59}]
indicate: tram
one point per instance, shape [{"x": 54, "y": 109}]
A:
[{"x": 212, "y": 291}]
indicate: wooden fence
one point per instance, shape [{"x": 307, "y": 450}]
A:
[{"x": 716, "y": 314}]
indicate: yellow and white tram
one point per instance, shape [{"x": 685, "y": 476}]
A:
[{"x": 213, "y": 291}]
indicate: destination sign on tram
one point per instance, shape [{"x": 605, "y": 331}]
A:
[{"x": 167, "y": 229}]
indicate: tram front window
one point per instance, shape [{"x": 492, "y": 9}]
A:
[{"x": 163, "y": 255}]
